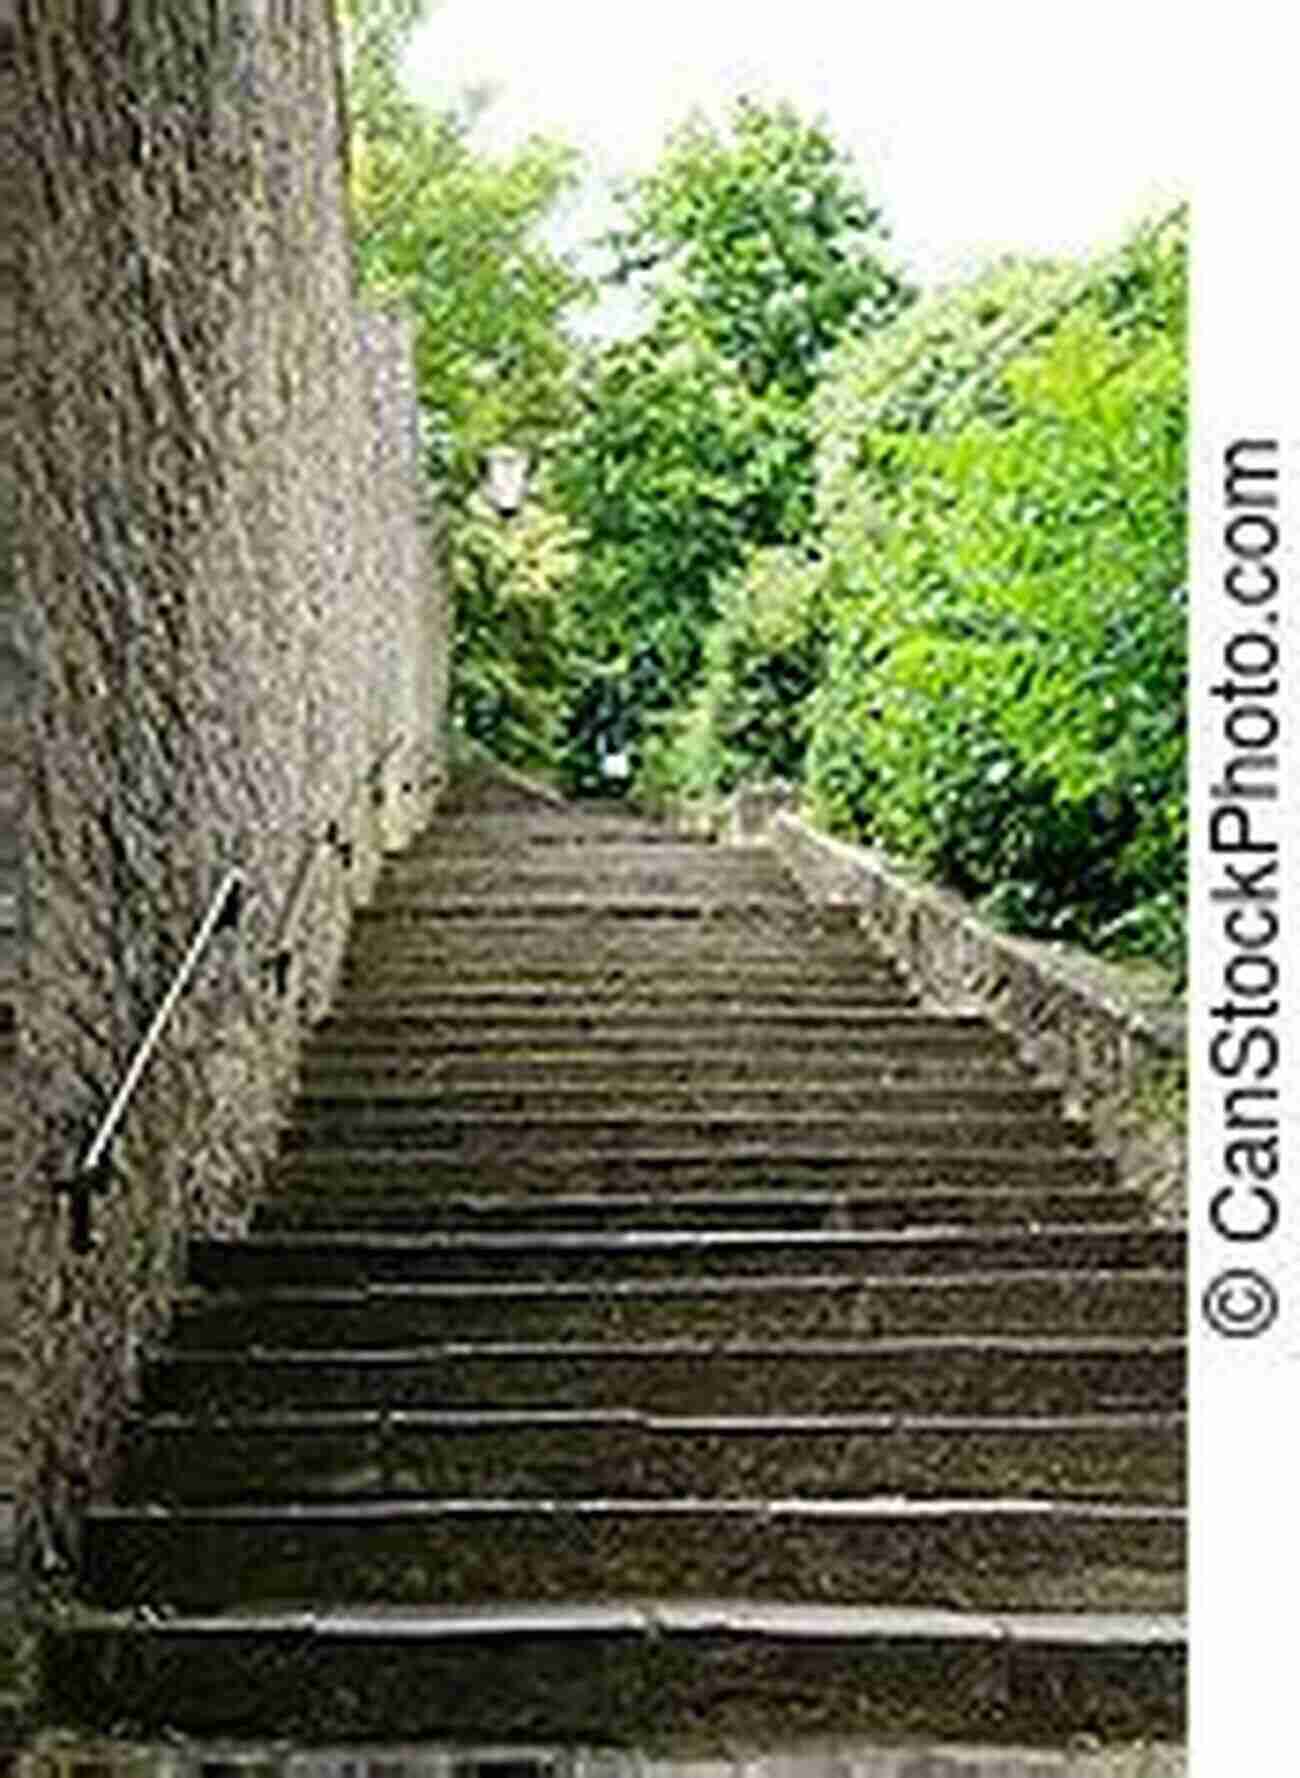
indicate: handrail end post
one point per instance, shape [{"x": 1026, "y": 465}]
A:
[
  {"x": 232, "y": 907},
  {"x": 79, "y": 1188}
]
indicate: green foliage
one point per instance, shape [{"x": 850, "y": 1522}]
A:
[
  {"x": 762, "y": 240},
  {"x": 451, "y": 236},
  {"x": 676, "y": 469},
  {"x": 512, "y": 636},
  {"x": 694, "y": 446},
  {"x": 1001, "y": 490},
  {"x": 763, "y": 659}
]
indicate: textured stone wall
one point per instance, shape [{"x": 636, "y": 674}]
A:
[{"x": 230, "y": 610}]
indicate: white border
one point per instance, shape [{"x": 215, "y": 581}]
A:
[{"x": 1245, "y": 1393}]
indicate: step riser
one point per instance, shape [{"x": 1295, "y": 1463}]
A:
[
  {"x": 412, "y": 1043},
  {"x": 732, "y": 907},
  {"x": 614, "y": 1690},
  {"x": 954, "y": 1380},
  {"x": 427, "y": 982},
  {"x": 616, "y": 1003},
  {"x": 381, "y": 1209},
  {"x": 826, "y": 1308},
  {"x": 721, "y": 1036},
  {"x": 774, "y": 948},
  {"x": 957, "y": 1560},
  {"x": 494, "y": 1139},
  {"x": 585, "y": 879},
  {"x": 1142, "y": 1464},
  {"x": 798, "y": 1071},
  {"x": 683, "y": 1097},
  {"x": 413, "y": 1170},
  {"x": 235, "y": 1265},
  {"x": 589, "y": 967}
]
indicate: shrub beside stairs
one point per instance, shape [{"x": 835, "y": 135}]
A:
[{"x": 663, "y": 1329}]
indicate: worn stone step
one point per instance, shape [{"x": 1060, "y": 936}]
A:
[
  {"x": 666, "y": 1048},
  {"x": 361, "y": 1127},
  {"x": 325, "y": 1065},
  {"x": 658, "y": 870},
  {"x": 357, "y": 1258},
  {"x": 837, "y": 1029},
  {"x": 825, "y": 1305},
  {"x": 566, "y": 1453},
  {"x": 616, "y": 1000},
  {"x": 684, "y": 1094},
  {"x": 616, "y": 851},
  {"x": 617, "y": 1673},
  {"x": 783, "y": 934},
  {"x": 963, "y": 1554},
  {"x": 410, "y": 1168},
  {"x": 724, "y": 904},
  {"x": 676, "y": 982},
  {"x": 707, "y": 1168},
  {"x": 450, "y": 833},
  {"x": 966, "y": 1374},
  {"x": 311, "y": 1206}
]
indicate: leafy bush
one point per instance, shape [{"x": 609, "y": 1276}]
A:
[
  {"x": 1001, "y": 495},
  {"x": 763, "y": 659},
  {"x": 512, "y": 636}
]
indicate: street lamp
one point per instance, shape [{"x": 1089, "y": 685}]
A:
[{"x": 505, "y": 478}]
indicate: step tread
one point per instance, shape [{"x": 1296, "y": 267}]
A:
[
  {"x": 647, "y": 1420},
  {"x": 867, "y": 1509},
  {"x": 658, "y": 1617},
  {"x": 652, "y": 1239},
  {"x": 340, "y": 1296}
]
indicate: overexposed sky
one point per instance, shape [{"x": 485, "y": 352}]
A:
[{"x": 980, "y": 128}]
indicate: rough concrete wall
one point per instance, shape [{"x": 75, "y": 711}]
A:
[{"x": 228, "y": 606}]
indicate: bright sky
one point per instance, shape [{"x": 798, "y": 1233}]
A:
[{"x": 980, "y": 126}]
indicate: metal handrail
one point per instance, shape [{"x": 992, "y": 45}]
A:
[
  {"x": 279, "y": 955},
  {"x": 223, "y": 911},
  {"x": 91, "y": 1175}
]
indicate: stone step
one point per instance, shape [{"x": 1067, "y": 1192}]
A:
[
  {"x": 312, "y": 1206},
  {"x": 706, "y": 1168},
  {"x": 613, "y": 1000},
  {"x": 952, "y": 1374},
  {"x": 361, "y": 1127},
  {"x": 649, "y": 870},
  {"x": 841, "y": 1029},
  {"x": 450, "y": 833},
  {"x": 825, "y": 1305},
  {"x": 619, "y": 1673},
  {"x": 952, "y": 1554},
  {"x": 783, "y": 933},
  {"x": 811, "y": 1069},
  {"x": 683, "y": 1095},
  {"x": 358, "y": 1258},
  {"x": 616, "y": 851},
  {"x": 625, "y": 1053},
  {"x": 566, "y": 1453},
  {"x": 725, "y": 904},
  {"x": 677, "y": 980}
]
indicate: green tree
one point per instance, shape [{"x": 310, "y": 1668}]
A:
[
  {"x": 453, "y": 237},
  {"x": 1002, "y": 506},
  {"x": 760, "y": 237},
  {"x": 694, "y": 446}
]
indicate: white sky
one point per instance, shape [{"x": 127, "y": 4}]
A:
[{"x": 980, "y": 126}]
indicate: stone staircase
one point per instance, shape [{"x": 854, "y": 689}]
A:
[{"x": 663, "y": 1328}]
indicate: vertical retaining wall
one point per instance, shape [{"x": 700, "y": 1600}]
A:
[{"x": 229, "y": 611}]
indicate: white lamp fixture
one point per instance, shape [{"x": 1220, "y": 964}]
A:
[{"x": 505, "y": 478}]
